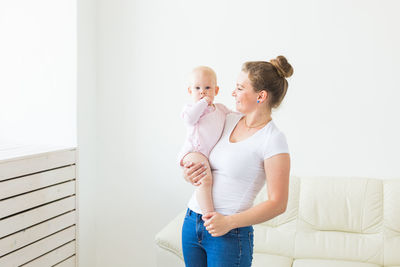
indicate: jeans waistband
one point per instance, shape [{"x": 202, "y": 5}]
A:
[{"x": 191, "y": 213}]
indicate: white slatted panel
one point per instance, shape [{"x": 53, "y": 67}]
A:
[
  {"x": 54, "y": 257},
  {"x": 11, "y": 168},
  {"x": 36, "y": 181},
  {"x": 26, "y": 201},
  {"x": 23, "y": 220},
  {"x": 34, "y": 233},
  {"x": 70, "y": 262},
  {"x": 38, "y": 220},
  {"x": 37, "y": 249}
]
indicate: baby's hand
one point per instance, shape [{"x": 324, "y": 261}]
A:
[{"x": 208, "y": 99}]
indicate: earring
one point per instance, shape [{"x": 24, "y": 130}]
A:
[{"x": 258, "y": 101}]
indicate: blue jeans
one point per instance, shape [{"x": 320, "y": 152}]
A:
[{"x": 200, "y": 249}]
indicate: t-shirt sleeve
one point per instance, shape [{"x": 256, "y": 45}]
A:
[{"x": 276, "y": 144}]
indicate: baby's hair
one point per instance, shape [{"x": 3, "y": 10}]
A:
[{"x": 205, "y": 69}]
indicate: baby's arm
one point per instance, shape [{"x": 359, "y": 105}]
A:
[{"x": 191, "y": 114}]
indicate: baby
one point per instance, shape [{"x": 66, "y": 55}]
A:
[{"x": 205, "y": 122}]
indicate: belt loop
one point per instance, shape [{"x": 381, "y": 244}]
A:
[{"x": 190, "y": 212}]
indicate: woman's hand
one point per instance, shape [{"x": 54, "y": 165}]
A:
[
  {"x": 216, "y": 223},
  {"x": 194, "y": 173}
]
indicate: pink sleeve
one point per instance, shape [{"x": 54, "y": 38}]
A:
[{"x": 191, "y": 113}]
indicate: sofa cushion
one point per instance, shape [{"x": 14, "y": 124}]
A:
[
  {"x": 342, "y": 204},
  {"x": 268, "y": 236},
  {"x": 292, "y": 207},
  {"x": 170, "y": 238},
  {"x": 275, "y": 240},
  {"x": 331, "y": 263},
  {"x": 339, "y": 245},
  {"x": 340, "y": 218},
  {"x": 392, "y": 222},
  {"x": 264, "y": 260}
]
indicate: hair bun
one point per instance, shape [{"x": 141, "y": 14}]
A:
[{"x": 283, "y": 67}]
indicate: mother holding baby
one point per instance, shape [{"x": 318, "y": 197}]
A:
[{"x": 251, "y": 152}]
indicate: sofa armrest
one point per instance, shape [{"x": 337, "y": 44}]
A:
[{"x": 169, "y": 238}]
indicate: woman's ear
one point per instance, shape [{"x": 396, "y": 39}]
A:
[{"x": 262, "y": 96}]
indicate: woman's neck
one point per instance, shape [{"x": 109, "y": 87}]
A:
[{"x": 257, "y": 117}]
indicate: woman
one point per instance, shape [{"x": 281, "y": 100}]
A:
[{"x": 250, "y": 151}]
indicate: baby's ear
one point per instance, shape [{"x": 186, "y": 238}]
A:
[
  {"x": 189, "y": 90},
  {"x": 216, "y": 90}
]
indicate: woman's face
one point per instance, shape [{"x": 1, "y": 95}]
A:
[{"x": 244, "y": 94}]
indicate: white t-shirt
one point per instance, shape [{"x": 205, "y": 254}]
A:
[{"x": 238, "y": 168}]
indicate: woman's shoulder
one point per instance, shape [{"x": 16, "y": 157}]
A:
[
  {"x": 272, "y": 129},
  {"x": 275, "y": 141}
]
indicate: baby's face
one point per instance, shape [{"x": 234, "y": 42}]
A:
[{"x": 202, "y": 85}]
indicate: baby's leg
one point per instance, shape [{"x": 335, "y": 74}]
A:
[{"x": 204, "y": 190}]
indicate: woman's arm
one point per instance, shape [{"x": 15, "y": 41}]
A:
[{"x": 277, "y": 169}]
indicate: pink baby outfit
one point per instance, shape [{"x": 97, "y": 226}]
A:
[{"x": 204, "y": 127}]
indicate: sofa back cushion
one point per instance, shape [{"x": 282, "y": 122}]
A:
[
  {"x": 351, "y": 205},
  {"x": 277, "y": 235},
  {"x": 342, "y": 218},
  {"x": 391, "y": 213}
]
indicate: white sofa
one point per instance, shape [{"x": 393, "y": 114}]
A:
[{"x": 329, "y": 221}]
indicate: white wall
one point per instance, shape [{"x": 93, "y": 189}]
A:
[
  {"x": 38, "y": 72},
  {"x": 87, "y": 136},
  {"x": 340, "y": 115}
]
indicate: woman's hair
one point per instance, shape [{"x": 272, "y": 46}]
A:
[{"x": 271, "y": 77}]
